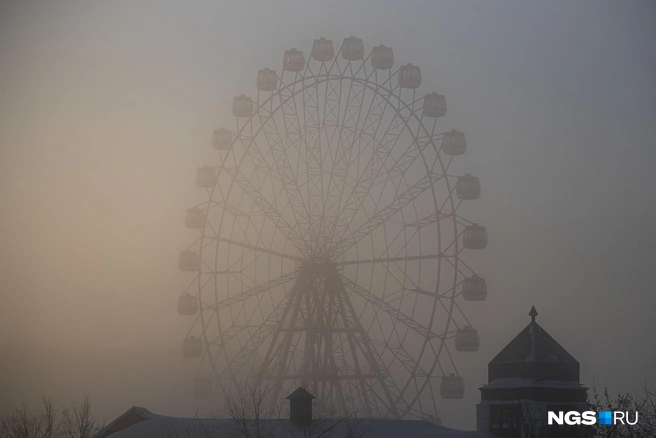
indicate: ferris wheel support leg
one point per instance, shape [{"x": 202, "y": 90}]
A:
[{"x": 368, "y": 349}]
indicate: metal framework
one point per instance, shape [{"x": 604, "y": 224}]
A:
[{"x": 330, "y": 252}]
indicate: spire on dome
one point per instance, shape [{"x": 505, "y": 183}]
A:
[{"x": 533, "y": 313}]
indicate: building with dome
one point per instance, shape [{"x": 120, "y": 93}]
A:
[{"x": 532, "y": 375}]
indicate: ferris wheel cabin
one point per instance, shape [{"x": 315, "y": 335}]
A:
[
  {"x": 467, "y": 339},
  {"x": 195, "y": 218},
  {"x": 475, "y": 237},
  {"x": 468, "y": 187},
  {"x": 293, "y": 60},
  {"x": 474, "y": 288},
  {"x": 187, "y": 305},
  {"x": 188, "y": 261},
  {"x": 222, "y": 139},
  {"x": 352, "y": 49},
  {"x": 410, "y": 76},
  {"x": 454, "y": 143},
  {"x": 242, "y": 106},
  {"x": 434, "y": 105},
  {"x": 323, "y": 50},
  {"x": 452, "y": 387},
  {"x": 382, "y": 58},
  {"x": 192, "y": 347},
  {"x": 267, "y": 80},
  {"x": 205, "y": 177}
]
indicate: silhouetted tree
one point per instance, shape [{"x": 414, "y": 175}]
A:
[
  {"x": 643, "y": 403},
  {"x": 78, "y": 420},
  {"x": 75, "y": 421},
  {"x": 246, "y": 406}
]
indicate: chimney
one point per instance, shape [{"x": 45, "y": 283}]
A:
[{"x": 300, "y": 407}]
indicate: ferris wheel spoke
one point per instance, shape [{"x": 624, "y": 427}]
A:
[
  {"x": 456, "y": 266},
  {"x": 392, "y": 259},
  {"x": 395, "y": 172},
  {"x": 431, "y": 372},
  {"x": 289, "y": 200},
  {"x": 234, "y": 211},
  {"x": 384, "y": 214},
  {"x": 254, "y": 343},
  {"x": 238, "y": 310},
  {"x": 347, "y": 129},
  {"x": 257, "y": 248},
  {"x": 328, "y": 131},
  {"x": 379, "y": 103},
  {"x": 350, "y": 124},
  {"x": 397, "y": 352},
  {"x": 312, "y": 154},
  {"x": 389, "y": 304},
  {"x": 284, "y": 170},
  {"x": 266, "y": 207},
  {"x": 395, "y": 313},
  {"x": 398, "y": 168},
  {"x": 401, "y": 339},
  {"x": 449, "y": 198},
  {"x": 295, "y": 140},
  {"x": 422, "y": 222},
  {"x": 355, "y": 133},
  {"x": 369, "y": 130},
  {"x": 418, "y": 291},
  {"x": 401, "y": 281},
  {"x": 407, "y": 159},
  {"x": 462, "y": 314},
  {"x": 347, "y": 135},
  {"x": 254, "y": 291},
  {"x": 405, "y": 233}
]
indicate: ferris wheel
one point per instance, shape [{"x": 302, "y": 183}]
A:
[{"x": 330, "y": 248}]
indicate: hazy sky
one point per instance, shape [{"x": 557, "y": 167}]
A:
[{"x": 106, "y": 109}]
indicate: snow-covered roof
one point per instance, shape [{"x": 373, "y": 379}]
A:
[
  {"x": 164, "y": 426},
  {"x": 133, "y": 415},
  {"x": 521, "y": 382}
]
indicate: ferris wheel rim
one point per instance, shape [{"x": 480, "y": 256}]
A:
[{"x": 431, "y": 142}]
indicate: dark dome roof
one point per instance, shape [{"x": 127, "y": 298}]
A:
[
  {"x": 534, "y": 344},
  {"x": 533, "y": 353}
]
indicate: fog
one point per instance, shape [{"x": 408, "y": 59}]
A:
[{"x": 106, "y": 110}]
